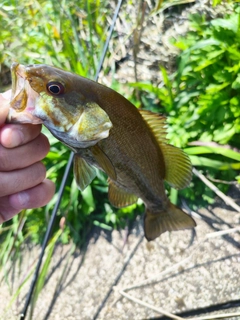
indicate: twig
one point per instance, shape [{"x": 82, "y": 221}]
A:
[
  {"x": 149, "y": 306},
  {"x": 173, "y": 316},
  {"x": 218, "y": 316},
  {"x": 225, "y": 198},
  {"x": 222, "y": 232},
  {"x": 137, "y": 33},
  {"x": 223, "y": 181}
]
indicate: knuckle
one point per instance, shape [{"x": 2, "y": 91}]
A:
[
  {"x": 2, "y": 187},
  {"x": 30, "y": 132},
  {"x": 42, "y": 144},
  {"x": 39, "y": 171},
  {"x": 19, "y": 180}
]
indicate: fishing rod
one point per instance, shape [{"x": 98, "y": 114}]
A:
[{"x": 65, "y": 176}]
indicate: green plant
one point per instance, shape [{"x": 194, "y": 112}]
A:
[
  {"x": 202, "y": 98},
  {"x": 71, "y": 35}
]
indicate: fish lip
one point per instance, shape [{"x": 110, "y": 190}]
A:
[
  {"x": 23, "y": 117},
  {"x": 21, "y": 71},
  {"x": 20, "y": 83},
  {"x": 18, "y": 71}
]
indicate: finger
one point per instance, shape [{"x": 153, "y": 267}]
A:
[
  {"x": 13, "y": 135},
  {"x": 24, "y": 156},
  {"x": 35, "y": 197},
  {"x": 19, "y": 180},
  {"x": 4, "y": 105}
]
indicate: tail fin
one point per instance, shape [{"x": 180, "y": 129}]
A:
[{"x": 171, "y": 219}]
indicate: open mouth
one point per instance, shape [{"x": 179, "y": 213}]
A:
[{"x": 23, "y": 98}]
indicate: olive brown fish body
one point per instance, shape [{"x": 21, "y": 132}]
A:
[{"x": 106, "y": 131}]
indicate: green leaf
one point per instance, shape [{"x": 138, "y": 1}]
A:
[
  {"x": 236, "y": 83},
  {"x": 214, "y": 88},
  {"x": 203, "y": 44},
  {"x": 167, "y": 83},
  {"x": 226, "y": 24},
  {"x": 102, "y": 225},
  {"x": 215, "y": 164},
  {"x": 213, "y": 150}
]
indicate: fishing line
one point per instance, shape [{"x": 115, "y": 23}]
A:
[{"x": 66, "y": 173}]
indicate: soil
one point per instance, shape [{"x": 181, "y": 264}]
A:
[
  {"x": 178, "y": 272},
  {"x": 182, "y": 271}
]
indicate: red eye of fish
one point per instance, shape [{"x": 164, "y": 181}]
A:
[{"x": 55, "y": 88}]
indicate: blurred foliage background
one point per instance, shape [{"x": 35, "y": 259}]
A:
[{"x": 200, "y": 98}]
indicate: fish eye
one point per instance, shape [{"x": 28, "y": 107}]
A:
[{"x": 55, "y": 88}]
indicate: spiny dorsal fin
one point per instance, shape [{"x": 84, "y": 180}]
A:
[
  {"x": 104, "y": 162},
  {"x": 157, "y": 124},
  {"x": 84, "y": 173},
  {"x": 118, "y": 197},
  {"x": 178, "y": 168}
]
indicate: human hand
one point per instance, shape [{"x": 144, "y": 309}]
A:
[{"x": 22, "y": 175}]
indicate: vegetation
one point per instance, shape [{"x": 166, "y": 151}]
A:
[
  {"x": 71, "y": 36},
  {"x": 201, "y": 101}
]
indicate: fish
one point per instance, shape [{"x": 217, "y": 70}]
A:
[{"x": 106, "y": 131}]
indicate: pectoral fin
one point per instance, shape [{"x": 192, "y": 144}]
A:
[
  {"x": 83, "y": 172},
  {"x": 171, "y": 219},
  {"x": 104, "y": 162},
  {"x": 118, "y": 197}
]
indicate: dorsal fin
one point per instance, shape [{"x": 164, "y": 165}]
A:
[
  {"x": 178, "y": 168},
  {"x": 118, "y": 197},
  {"x": 157, "y": 124}
]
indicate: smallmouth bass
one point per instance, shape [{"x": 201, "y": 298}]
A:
[{"x": 106, "y": 131}]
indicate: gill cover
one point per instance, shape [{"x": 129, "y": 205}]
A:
[{"x": 92, "y": 125}]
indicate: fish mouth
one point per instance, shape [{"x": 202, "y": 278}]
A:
[
  {"x": 77, "y": 123},
  {"x": 23, "y": 98}
]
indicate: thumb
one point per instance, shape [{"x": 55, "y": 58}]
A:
[{"x": 4, "y": 106}]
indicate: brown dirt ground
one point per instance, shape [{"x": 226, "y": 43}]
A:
[
  {"x": 183, "y": 271},
  {"x": 179, "y": 271}
]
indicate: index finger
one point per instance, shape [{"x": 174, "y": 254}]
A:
[{"x": 14, "y": 135}]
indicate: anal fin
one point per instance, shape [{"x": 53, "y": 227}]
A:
[
  {"x": 172, "y": 219},
  {"x": 84, "y": 173},
  {"x": 118, "y": 197}
]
